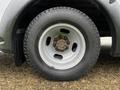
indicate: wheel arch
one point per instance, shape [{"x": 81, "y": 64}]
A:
[
  {"x": 17, "y": 40},
  {"x": 110, "y": 9}
]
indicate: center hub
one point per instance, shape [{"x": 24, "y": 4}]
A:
[{"x": 61, "y": 43}]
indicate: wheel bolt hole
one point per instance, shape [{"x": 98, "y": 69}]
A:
[
  {"x": 65, "y": 31},
  {"x": 58, "y": 56},
  {"x": 74, "y": 47},
  {"x": 48, "y": 41}
]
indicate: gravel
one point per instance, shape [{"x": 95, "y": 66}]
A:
[{"x": 104, "y": 76}]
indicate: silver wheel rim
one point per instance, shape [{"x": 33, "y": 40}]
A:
[{"x": 68, "y": 58}]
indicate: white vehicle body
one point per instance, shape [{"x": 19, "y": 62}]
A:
[{"x": 10, "y": 10}]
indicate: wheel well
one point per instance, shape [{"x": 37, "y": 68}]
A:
[{"x": 37, "y": 6}]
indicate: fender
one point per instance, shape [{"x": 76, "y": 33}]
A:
[
  {"x": 111, "y": 9},
  {"x": 13, "y": 8},
  {"x": 10, "y": 10}
]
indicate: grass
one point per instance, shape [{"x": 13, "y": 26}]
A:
[{"x": 104, "y": 76}]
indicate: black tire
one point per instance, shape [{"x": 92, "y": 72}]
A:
[{"x": 71, "y": 16}]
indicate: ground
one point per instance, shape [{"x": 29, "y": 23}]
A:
[{"x": 104, "y": 76}]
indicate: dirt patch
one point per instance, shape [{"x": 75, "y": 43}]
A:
[{"x": 104, "y": 76}]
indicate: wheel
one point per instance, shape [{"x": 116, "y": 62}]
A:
[{"x": 63, "y": 43}]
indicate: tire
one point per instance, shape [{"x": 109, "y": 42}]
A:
[{"x": 41, "y": 50}]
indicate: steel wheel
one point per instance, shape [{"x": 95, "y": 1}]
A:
[{"x": 62, "y": 46}]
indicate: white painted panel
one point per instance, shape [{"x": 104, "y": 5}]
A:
[{"x": 3, "y": 6}]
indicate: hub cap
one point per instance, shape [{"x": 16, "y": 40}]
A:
[
  {"x": 61, "y": 43},
  {"x": 62, "y": 46}
]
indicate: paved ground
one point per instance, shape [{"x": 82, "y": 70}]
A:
[{"x": 104, "y": 76}]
